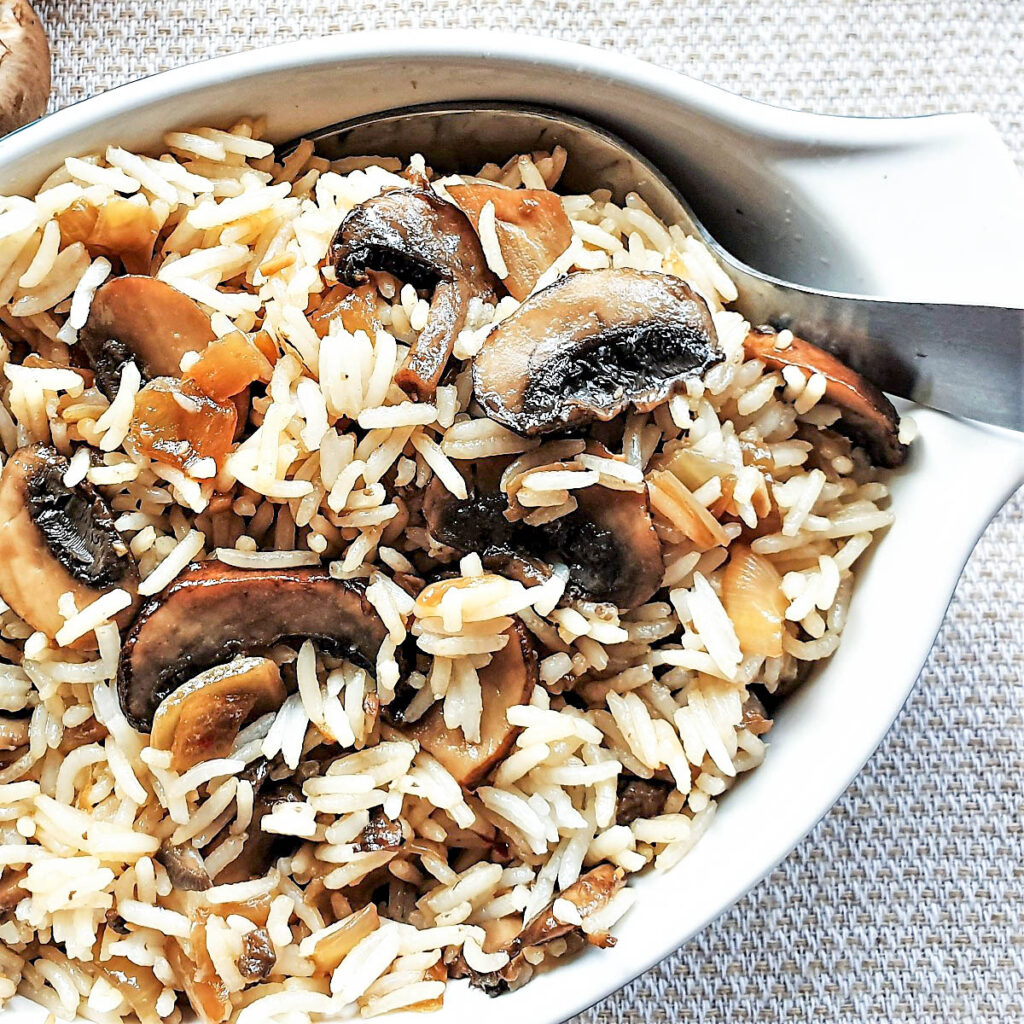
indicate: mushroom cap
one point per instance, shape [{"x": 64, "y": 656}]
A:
[
  {"x": 56, "y": 539},
  {"x": 506, "y": 681},
  {"x": 416, "y": 236},
  {"x": 184, "y": 865},
  {"x": 591, "y": 345},
  {"x": 213, "y": 611},
  {"x": 609, "y": 543},
  {"x": 868, "y": 417},
  {"x": 410, "y": 233},
  {"x": 142, "y": 319},
  {"x": 24, "y": 65}
]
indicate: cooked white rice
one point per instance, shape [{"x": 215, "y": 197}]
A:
[{"x": 323, "y": 474}]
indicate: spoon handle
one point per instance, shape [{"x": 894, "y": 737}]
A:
[{"x": 966, "y": 360}]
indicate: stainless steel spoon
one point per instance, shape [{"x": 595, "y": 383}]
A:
[{"x": 967, "y": 360}]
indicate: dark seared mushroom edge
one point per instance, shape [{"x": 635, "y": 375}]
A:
[
  {"x": 592, "y": 345},
  {"x": 56, "y": 539},
  {"x": 608, "y": 543},
  {"x": 428, "y": 243},
  {"x": 205, "y": 618}
]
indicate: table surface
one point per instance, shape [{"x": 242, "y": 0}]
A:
[{"x": 905, "y": 903}]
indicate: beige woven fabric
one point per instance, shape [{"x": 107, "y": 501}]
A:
[{"x": 905, "y": 903}]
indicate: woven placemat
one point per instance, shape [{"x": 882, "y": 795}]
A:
[{"x": 905, "y": 903}]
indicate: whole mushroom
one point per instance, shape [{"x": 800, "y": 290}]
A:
[{"x": 24, "y": 65}]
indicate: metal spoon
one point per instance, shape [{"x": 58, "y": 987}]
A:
[{"x": 967, "y": 360}]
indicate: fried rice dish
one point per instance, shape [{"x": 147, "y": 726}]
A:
[{"x": 391, "y": 565}]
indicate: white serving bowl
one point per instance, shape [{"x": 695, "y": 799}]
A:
[{"x": 923, "y": 208}]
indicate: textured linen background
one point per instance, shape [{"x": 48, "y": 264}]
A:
[{"x": 905, "y": 903}]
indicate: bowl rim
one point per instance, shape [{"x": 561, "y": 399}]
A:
[
  {"x": 454, "y": 43},
  {"x": 711, "y": 101}
]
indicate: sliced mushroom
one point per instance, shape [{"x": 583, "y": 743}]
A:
[
  {"x": 258, "y": 957},
  {"x": 185, "y": 867},
  {"x": 261, "y": 850},
  {"x": 24, "y": 65},
  {"x": 592, "y": 345},
  {"x": 508, "y": 680},
  {"x": 142, "y": 319},
  {"x": 868, "y": 417},
  {"x": 56, "y": 539},
  {"x": 755, "y": 716},
  {"x": 609, "y": 543},
  {"x": 640, "y": 798},
  {"x": 532, "y": 228},
  {"x": 213, "y": 611},
  {"x": 589, "y": 893},
  {"x": 201, "y": 718},
  {"x": 381, "y": 833},
  {"x": 420, "y": 239}
]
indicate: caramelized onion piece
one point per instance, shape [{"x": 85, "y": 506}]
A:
[
  {"x": 753, "y": 598},
  {"x": 141, "y": 319},
  {"x": 359, "y": 309},
  {"x": 428, "y": 243},
  {"x": 867, "y": 415},
  {"x": 56, "y": 539},
  {"x": 508, "y": 680},
  {"x": 177, "y": 424},
  {"x": 214, "y": 611},
  {"x": 532, "y": 228},
  {"x": 228, "y": 366},
  {"x": 592, "y": 345},
  {"x": 13, "y": 732},
  {"x": 119, "y": 229},
  {"x": 138, "y": 985},
  {"x": 200, "y": 719},
  {"x": 340, "y": 939}
]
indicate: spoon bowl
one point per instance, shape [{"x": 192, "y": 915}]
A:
[{"x": 968, "y": 360}]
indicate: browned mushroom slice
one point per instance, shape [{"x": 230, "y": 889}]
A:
[
  {"x": 592, "y": 345},
  {"x": 258, "y": 957},
  {"x": 261, "y": 849},
  {"x": 507, "y": 681},
  {"x": 213, "y": 611},
  {"x": 56, "y": 539},
  {"x": 867, "y": 415},
  {"x": 609, "y": 543},
  {"x": 142, "y": 319},
  {"x": 414, "y": 235},
  {"x": 589, "y": 893},
  {"x": 201, "y": 718},
  {"x": 185, "y": 867},
  {"x": 381, "y": 833},
  {"x": 640, "y": 798},
  {"x": 532, "y": 228}
]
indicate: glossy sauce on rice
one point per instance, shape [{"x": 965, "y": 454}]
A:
[{"x": 336, "y": 846}]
